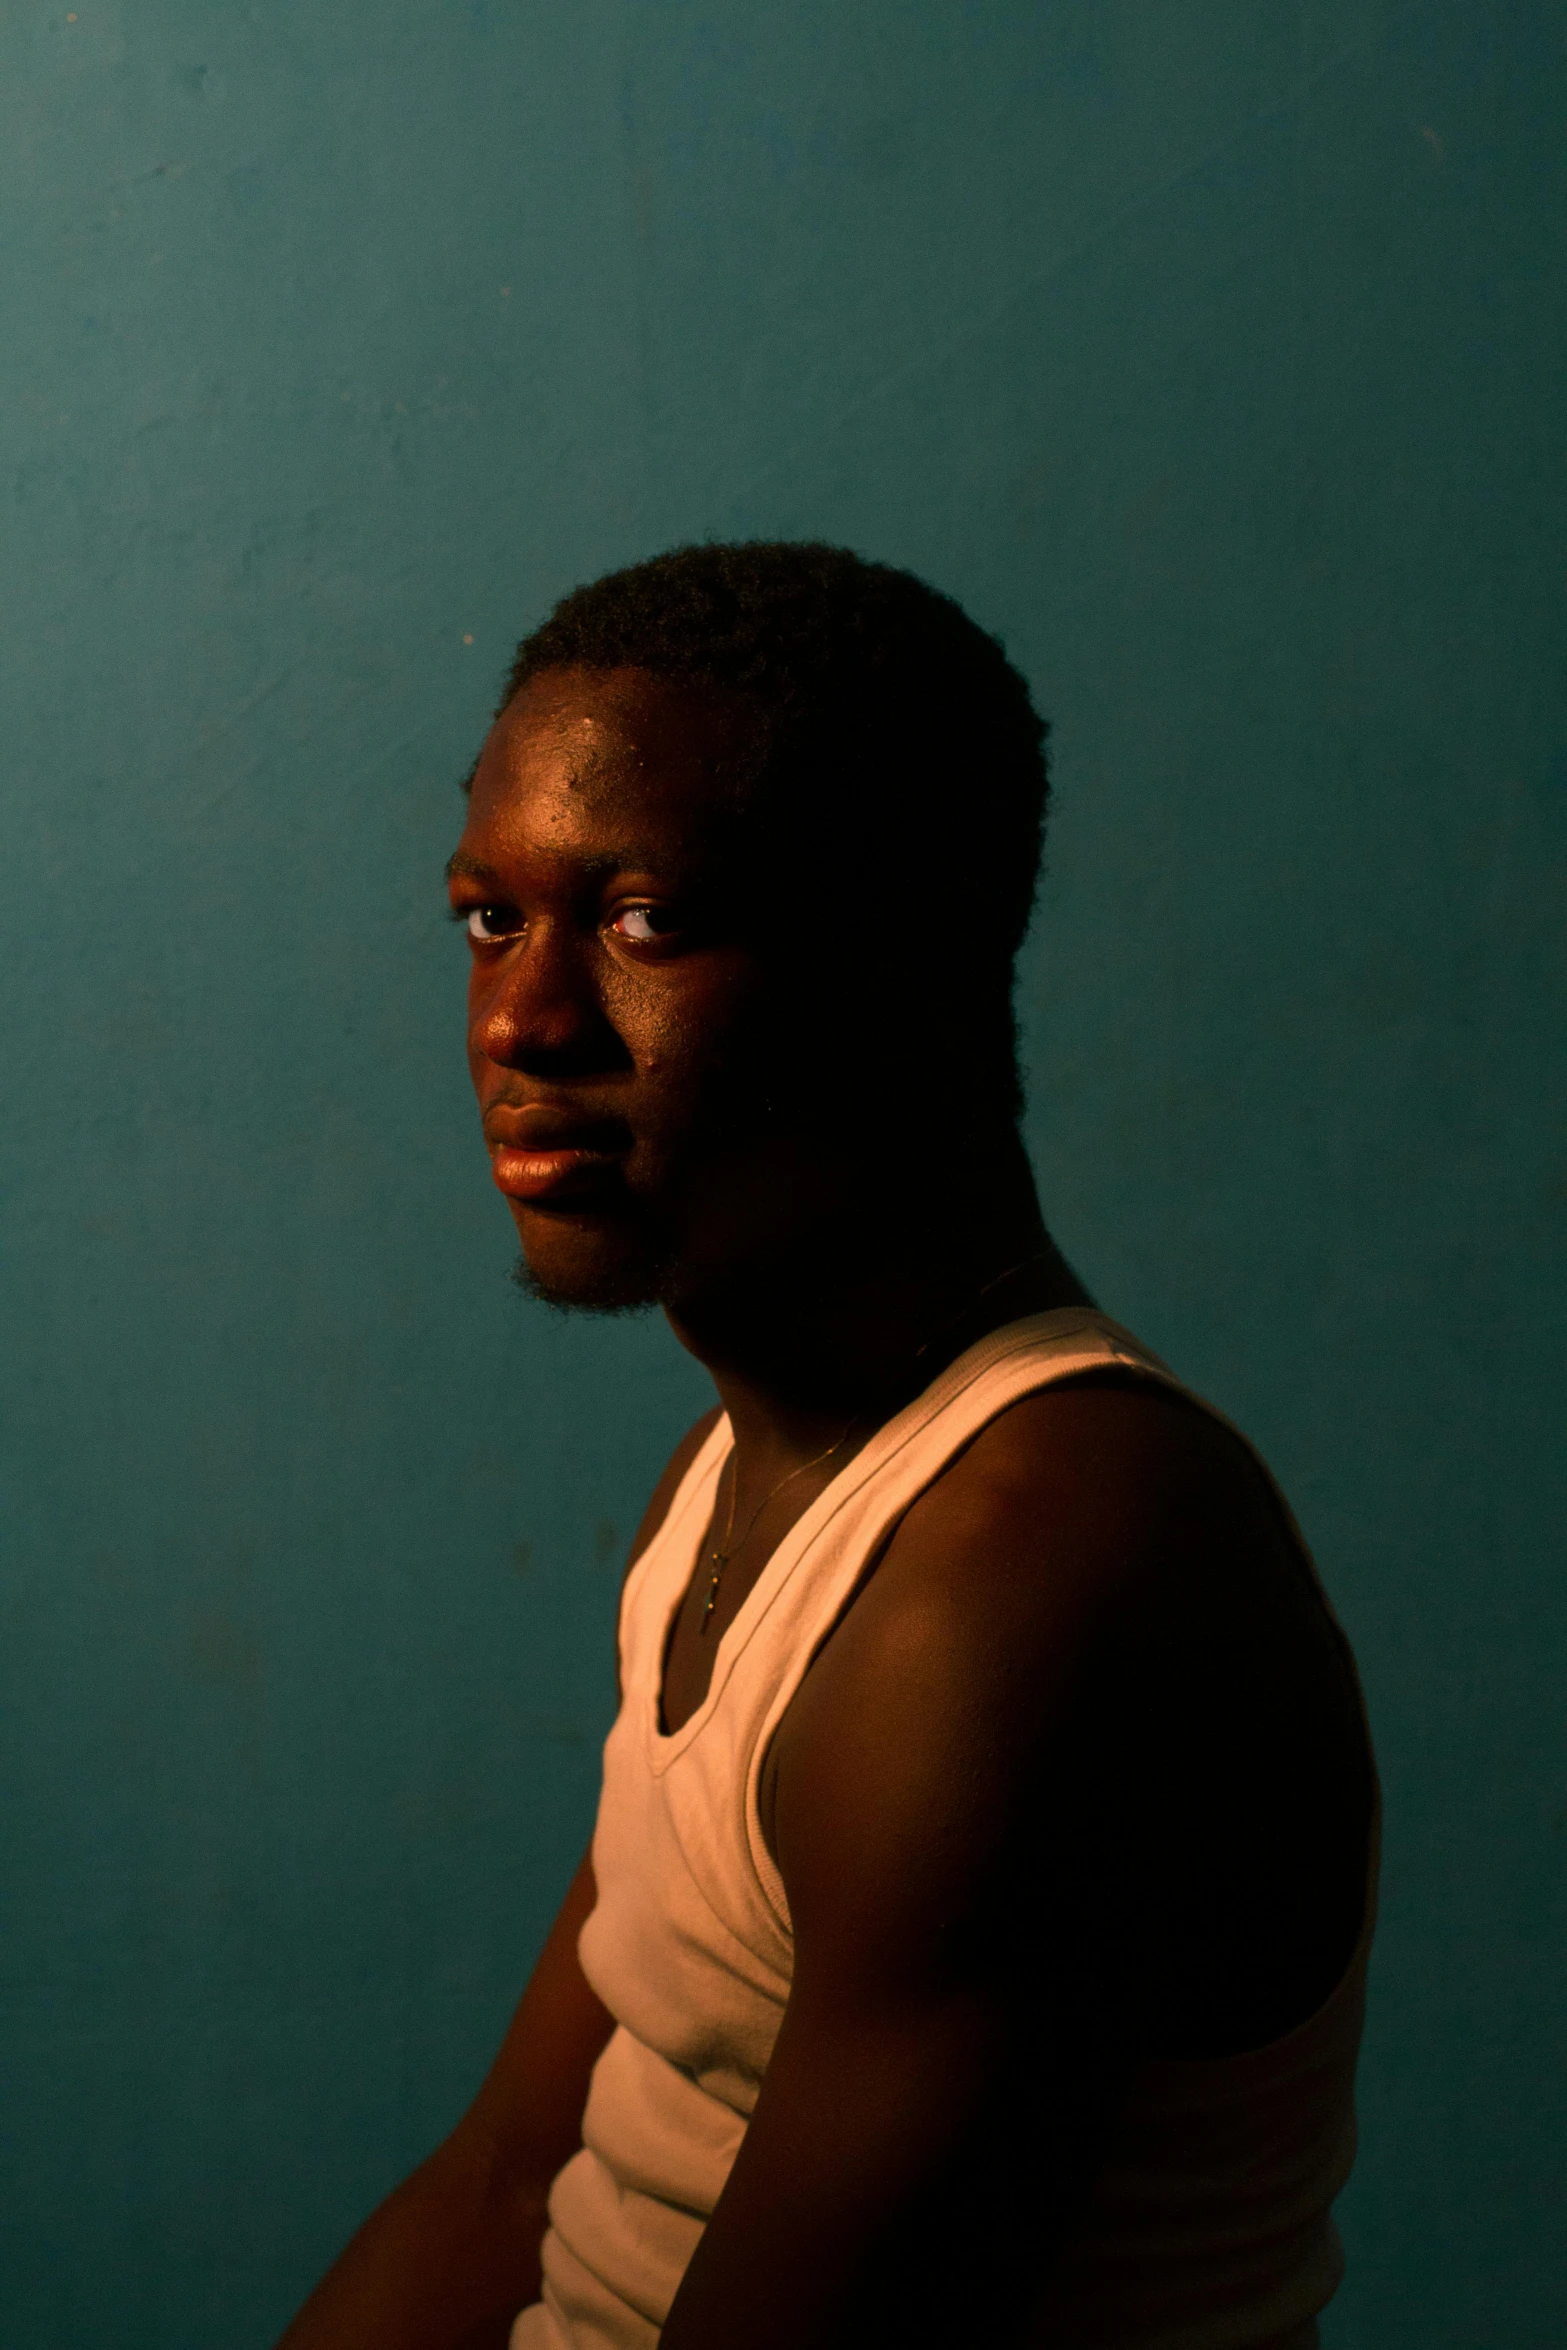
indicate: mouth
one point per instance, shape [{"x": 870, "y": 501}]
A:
[{"x": 544, "y": 1155}]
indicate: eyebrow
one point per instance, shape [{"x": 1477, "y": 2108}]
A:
[{"x": 461, "y": 867}]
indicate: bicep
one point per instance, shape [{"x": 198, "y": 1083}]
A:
[
  {"x": 944, "y": 2064},
  {"x": 877, "y": 2146},
  {"x": 1004, "y": 1797}
]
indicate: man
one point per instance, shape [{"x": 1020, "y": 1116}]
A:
[{"x": 971, "y": 1945}]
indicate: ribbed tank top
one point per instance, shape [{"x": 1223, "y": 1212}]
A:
[{"x": 1208, "y": 2227}]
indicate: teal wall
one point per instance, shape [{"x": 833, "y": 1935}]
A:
[{"x": 1214, "y": 355}]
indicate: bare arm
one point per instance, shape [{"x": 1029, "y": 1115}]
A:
[
  {"x": 1016, "y": 1809},
  {"x": 449, "y": 2259}
]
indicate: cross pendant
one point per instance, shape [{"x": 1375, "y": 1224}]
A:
[{"x": 720, "y": 1561}]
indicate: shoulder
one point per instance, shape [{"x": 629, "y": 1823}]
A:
[
  {"x": 1076, "y": 1516},
  {"x": 1093, "y": 1655},
  {"x": 1106, "y": 1472}
]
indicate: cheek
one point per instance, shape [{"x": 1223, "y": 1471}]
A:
[
  {"x": 477, "y": 995},
  {"x": 684, "y": 1021}
]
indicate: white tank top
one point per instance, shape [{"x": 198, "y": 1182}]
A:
[{"x": 1208, "y": 2227}]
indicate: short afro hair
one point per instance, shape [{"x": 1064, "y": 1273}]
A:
[{"x": 882, "y": 723}]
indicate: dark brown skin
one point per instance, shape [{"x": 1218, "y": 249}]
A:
[{"x": 1080, "y": 1779}]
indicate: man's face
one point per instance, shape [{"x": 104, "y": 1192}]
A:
[{"x": 618, "y": 1009}]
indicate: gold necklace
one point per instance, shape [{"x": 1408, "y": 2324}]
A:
[
  {"x": 723, "y": 1555},
  {"x": 728, "y": 1549}
]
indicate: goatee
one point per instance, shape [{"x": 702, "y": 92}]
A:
[{"x": 637, "y": 1287}]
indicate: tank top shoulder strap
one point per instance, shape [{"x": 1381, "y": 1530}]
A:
[
  {"x": 1018, "y": 1359},
  {"x": 657, "y": 1578},
  {"x": 881, "y": 1481},
  {"x": 817, "y": 1568}
]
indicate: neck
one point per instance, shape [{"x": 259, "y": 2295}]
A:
[{"x": 845, "y": 1326}]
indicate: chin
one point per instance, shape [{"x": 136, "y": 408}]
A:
[{"x": 589, "y": 1265}]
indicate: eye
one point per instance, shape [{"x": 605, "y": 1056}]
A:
[
  {"x": 487, "y": 924},
  {"x": 644, "y": 925}
]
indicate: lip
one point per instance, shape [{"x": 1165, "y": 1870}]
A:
[
  {"x": 551, "y": 1175},
  {"x": 544, "y": 1151}
]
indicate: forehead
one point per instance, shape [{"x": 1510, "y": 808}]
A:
[{"x": 581, "y": 756}]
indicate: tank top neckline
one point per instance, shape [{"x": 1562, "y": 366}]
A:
[{"x": 664, "y": 1747}]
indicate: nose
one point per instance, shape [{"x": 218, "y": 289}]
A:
[{"x": 539, "y": 1010}]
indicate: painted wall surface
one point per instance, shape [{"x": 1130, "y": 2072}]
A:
[{"x": 1215, "y": 356}]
